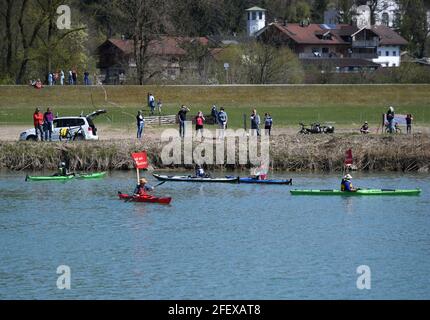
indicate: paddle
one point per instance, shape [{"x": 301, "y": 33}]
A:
[{"x": 160, "y": 184}]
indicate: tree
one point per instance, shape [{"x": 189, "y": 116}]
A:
[
  {"x": 144, "y": 21},
  {"x": 414, "y": 26},
  {"x": 258, "y": 63},
  {"x": 346, "y": 12},
  {"x": 318, "y": 9}
]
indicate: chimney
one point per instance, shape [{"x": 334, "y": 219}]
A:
[
  {"x": 123, "y": 37},
  {"x": 285, "y": 23}
]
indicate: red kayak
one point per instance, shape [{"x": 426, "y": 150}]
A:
[{"x": 147, "y": 198}]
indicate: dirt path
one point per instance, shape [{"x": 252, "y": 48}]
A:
[{"x": 106, "y": 133}]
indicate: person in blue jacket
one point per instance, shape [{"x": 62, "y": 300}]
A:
[{"x": 346, "y": 184}]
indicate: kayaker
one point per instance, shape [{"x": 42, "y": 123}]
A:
[
  {"x": 143, "y": 187},
  {"x": 63, "y": 170},
  {"x": 200, "y": 172},
  {"x": 346, "y": 184}
]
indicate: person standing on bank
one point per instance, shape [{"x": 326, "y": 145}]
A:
[
  {"x": 160, "y": 106},
  {"x": 151, "y": 103},
  {"x": 268, "y": 123},
  {"x": 182, "y": 118},
  {"x": 140, "y": 124},
  {"x": 390, "y": 119},
  {"x": 38, "y": 123},
  {"x": 409, "y": 120},
  {"x": 48, "y": 124},
  {"x": 200, "y": 119},
  {"x": 222, "y": 122},
  {"x": 255, "y": 122}
]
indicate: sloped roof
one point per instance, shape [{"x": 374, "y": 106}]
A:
[
  {"x": 255, "y": 9},
  {"x": 309, "y": 34},
  {"x": 388, "y": 37},
  {"x": 162, "y": 46}
]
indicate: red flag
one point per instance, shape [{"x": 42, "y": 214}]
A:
[
  {"x": 140, "y": 160},
  {"x": 348, "y": 157}
]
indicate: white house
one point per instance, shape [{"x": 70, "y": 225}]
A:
[
  {"x": 256, "y": 20},
  {"x": 382, "y": 41}
]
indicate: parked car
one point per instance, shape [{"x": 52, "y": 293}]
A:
[{"x": 80, "y": 128}]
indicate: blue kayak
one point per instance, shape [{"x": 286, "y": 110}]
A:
[{"x": 269, "y": 181}]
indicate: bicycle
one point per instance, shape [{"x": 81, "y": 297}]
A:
[{"x": 71, "y": 134}]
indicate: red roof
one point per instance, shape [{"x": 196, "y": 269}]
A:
[
  {"x": 308, "y": 34},
  {"x": 162, "y": 46},
  {"x": 389, "y": 37}
]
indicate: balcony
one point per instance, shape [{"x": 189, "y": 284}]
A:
[
  {"x": 366, "y": 56},
  {"x": 365, "y": 43},
  {"x": 316, "y": 55}
]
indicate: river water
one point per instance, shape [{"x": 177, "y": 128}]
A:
[{"x": 215, "y": 241}]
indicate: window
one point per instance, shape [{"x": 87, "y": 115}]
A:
[
  {"x": 62, "y": 123},
  {"x": 379, "y": 53},
  {"x": 260, "y": 14},
  {"x": 254, "y": 16},
  {"x": 387, "y": 53},
  {"x": 394, "y": 53}
]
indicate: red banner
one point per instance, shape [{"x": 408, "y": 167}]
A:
[
  {"x": 140, "y": 160},
  {"x": 348, "y": 157}
]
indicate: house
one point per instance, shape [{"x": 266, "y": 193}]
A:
[
  {"x": 350, "y": 48},
  {"x": 167, "y": 58},
  {"x": 381, "y": 41}
]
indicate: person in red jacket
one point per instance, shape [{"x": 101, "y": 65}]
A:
[{"x": 38, "y": 123}]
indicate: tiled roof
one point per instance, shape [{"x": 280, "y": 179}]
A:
[
  {"x": 308, "y": 34},
  {"x": 388, "y": 36}
]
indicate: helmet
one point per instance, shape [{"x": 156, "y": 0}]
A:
[
  {"x": 391, "y": 109},
  {"x": 347, "y": 177},
  {"x": 143, "y": 181},
  {"x": 63, "y": 164}
]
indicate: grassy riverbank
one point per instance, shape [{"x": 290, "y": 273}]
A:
[
  {"x": 288, "y": 152},
  {"x": 347, "y": 105}
]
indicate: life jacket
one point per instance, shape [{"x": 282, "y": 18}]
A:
[
  {"x": 64, "y": 132},
  {"x": 346, "y": 185},
  {"x": 200, "y": 172},
  {"x": 199, "y": 121}
]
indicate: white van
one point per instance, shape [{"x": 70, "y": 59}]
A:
[{"x": 80, "y": 128}]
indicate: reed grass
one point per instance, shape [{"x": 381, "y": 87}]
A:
[{"x": 323, "y": 153}]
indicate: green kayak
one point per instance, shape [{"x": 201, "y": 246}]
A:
[
  {"x": 360, "y": 192},
  {"x": 49, "y": 178},
  {"x": 97, "y": 175}
]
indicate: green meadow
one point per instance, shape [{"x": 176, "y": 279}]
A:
[{"x": 344, "y": 105}]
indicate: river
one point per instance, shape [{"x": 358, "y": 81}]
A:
[{"x": 215, "y": 241}]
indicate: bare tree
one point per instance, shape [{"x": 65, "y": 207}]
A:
[{"x": 145, "y": 21}]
